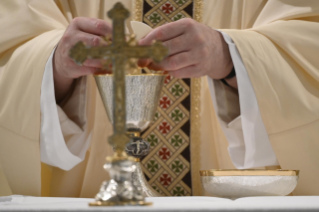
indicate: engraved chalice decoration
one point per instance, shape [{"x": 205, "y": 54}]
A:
[
  {"x": 130, "y": 102},
  {"x": 142, "y": 97}
]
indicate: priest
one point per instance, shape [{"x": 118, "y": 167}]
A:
[{"x": 259, "y": 87}]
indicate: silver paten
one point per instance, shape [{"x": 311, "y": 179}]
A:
[{"x": 246, "y": 183}]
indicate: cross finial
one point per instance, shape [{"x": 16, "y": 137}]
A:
[{"x": 118, "y": 12}]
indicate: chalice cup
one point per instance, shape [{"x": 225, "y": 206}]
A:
[{"x": 142, "y": 96}]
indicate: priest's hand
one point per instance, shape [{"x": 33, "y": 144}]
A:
[
  {"x": 65, "y": 70},
  {"x": 195, "y": 50}
]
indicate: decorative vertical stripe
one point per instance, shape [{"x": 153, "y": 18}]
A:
[
  {"x": 137, "y": 10},
  {"x": 195, "y": 119},
  {"x": 172, "y": 165}
]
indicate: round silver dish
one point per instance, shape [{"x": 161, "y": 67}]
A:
[{"x": 245, "y": 183}]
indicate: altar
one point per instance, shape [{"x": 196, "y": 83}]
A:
[{"x": 285, "y": 203}]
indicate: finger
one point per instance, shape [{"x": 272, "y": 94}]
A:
[
  {"x": 187, "y": 72},
  {"x": 84, "y": 70},
  {"x": 177, "y": 61},
  {"x": 155, "y": 67},
  {"x": 167, "y": 31},
  {"x": 177, "y": 45},
  {"x": 92, "y": 25},
  {"x": 89, "y": 39},
  {"x": 144, "y": 62},
  {"x": 174, "y": 46},
  {"x": 94, "y": 63}
]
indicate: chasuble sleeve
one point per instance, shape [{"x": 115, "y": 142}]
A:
[
  {"x": 29, "y": 32},
  {"x": 249, "y": 145},
  {"x": 280, "y": 54},
  {"x": 64, "y": 136}
]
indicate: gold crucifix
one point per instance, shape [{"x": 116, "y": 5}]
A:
[{"x": 119, "y": 51}]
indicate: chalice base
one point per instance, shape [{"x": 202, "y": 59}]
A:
[{"x": 138, "y": 179}]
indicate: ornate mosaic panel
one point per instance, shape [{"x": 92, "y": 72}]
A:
[
  {"x": 159, "y": 12},
  {"x": 168, "y": 166}
]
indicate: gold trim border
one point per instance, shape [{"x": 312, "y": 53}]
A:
[
  {"x": 198, "y": 10},
  {"x": 195, "y": 140},
  {"x": 137, "y": 8},
  {"x": 248, "y": 172}
]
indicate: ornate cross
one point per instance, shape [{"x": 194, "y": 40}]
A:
[{"x": 119, "y": 51}]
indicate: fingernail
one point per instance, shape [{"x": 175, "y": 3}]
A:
[{"x": 141, "y": 42}]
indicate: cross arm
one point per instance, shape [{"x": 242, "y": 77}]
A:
[
  {"x": 79, "y": 53},
  {"x": 157, "y": 51}
]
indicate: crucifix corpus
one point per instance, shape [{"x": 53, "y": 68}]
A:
[{"x": 119, "y": 190}]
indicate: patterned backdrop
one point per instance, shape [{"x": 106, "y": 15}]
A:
[{"x": 167, "y": 167}]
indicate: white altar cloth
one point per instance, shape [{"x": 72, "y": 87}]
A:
[{"x": 288, "y": 203}]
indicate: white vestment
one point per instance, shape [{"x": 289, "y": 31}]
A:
[{"x": 249, "y": 145}]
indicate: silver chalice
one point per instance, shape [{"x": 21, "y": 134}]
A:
[{"x": 142, "y": 96}]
